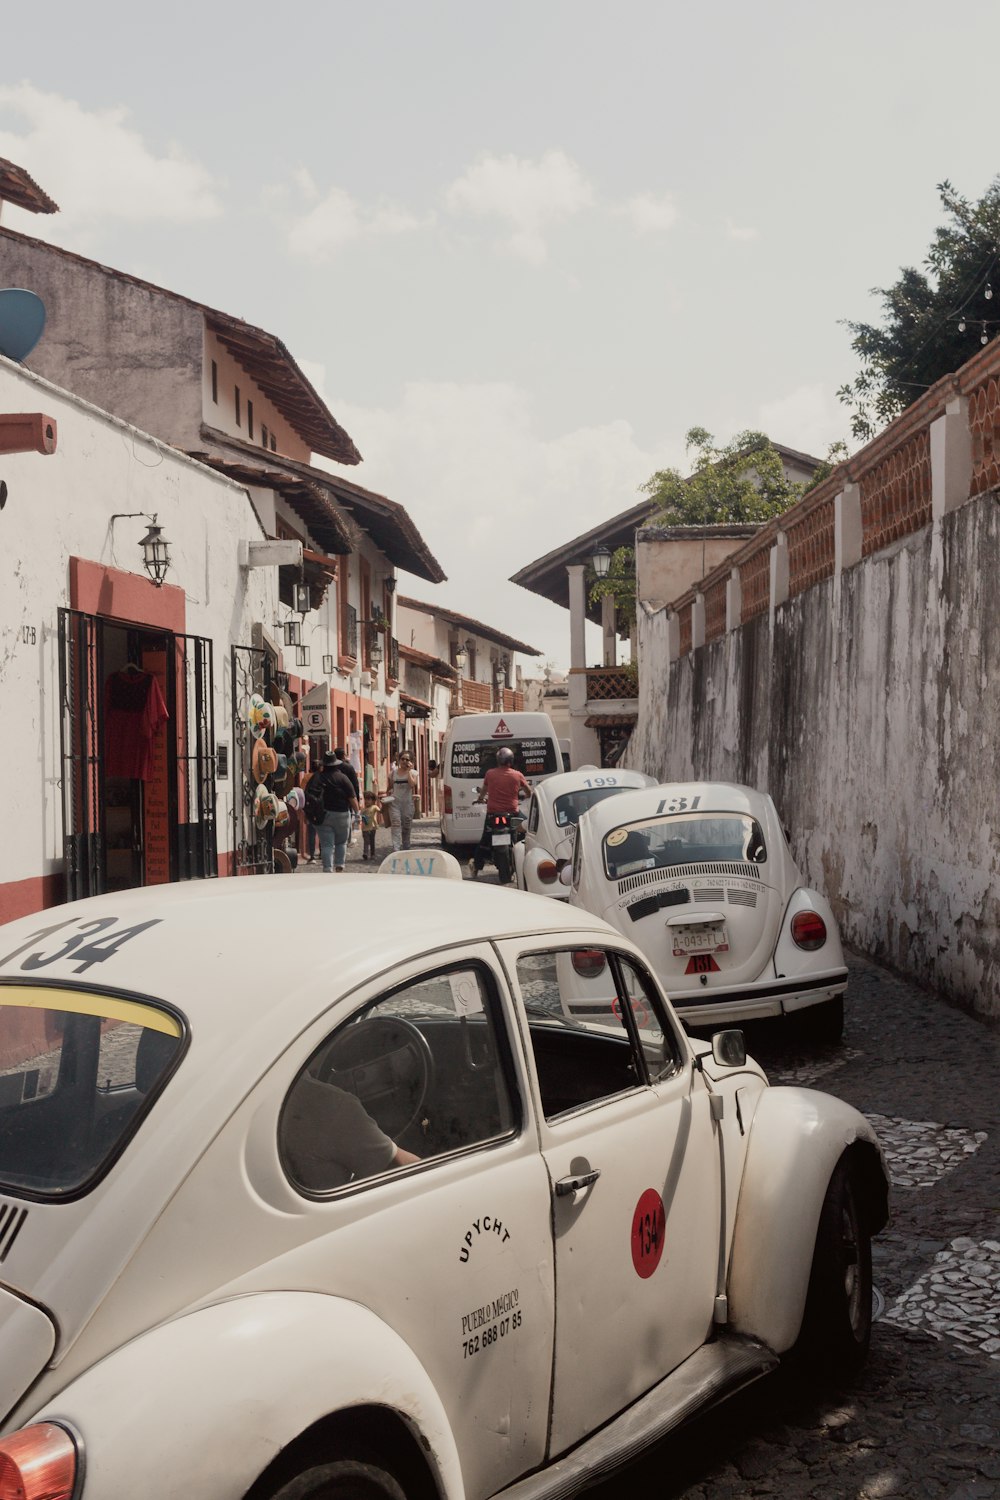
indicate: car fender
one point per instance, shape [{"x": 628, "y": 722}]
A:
[
  {"x": 283, "y": 1359},
  {"x": 789, "y": 959},
  {"x": 531, "y": 861},
  {"x": 796, "y": 1140}
]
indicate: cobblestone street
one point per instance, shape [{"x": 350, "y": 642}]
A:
[{"x": 924, "y": 1419}]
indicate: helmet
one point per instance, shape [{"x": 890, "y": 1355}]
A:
[{"x": 505, "y": 757}]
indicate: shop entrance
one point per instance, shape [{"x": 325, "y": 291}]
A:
[{"x": 138, "y": 764}]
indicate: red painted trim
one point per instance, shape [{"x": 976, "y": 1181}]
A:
[
  {"x": 97, "y": 590},
  {"x": 19, "y": 898}
]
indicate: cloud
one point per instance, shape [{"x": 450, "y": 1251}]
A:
[
  {"x": 736, "y": 233},
  {"x": 529, "y": 196},
  {"x": 484, "y": 518},
  {"x": 97, "y": 167},
  {"x": 338, "y": 219},
  {"x": 651, "y": 213}
]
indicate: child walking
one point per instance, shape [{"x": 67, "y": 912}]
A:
[{"x": 371, "y": 817}]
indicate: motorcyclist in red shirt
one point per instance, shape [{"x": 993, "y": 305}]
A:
[{"x": 502, "y": 789}]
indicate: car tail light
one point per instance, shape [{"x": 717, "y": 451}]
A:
[
  {"x": 808, "y": 930},
  {"x": 37, "y": 1463},
  {"x": 447, "y": 799},
  {"x": 547, "y": 871},
  {"x": 589, "y": 962}
]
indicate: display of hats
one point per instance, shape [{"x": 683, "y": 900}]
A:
[
  {"x": 296, "y": 799},
  {"x": 284, "y": 777},
  {"x": 295, "y": 728},
  {"x": 282, "y": 863},
  {"x": 283, "y": 742},
  {"x": 273, "y": 693},
  {"x": 298, "y": 760},
  {"x": 282, "y": 817},
  {"x": 263, "y": 761},
  {"x": 280, "y": 716},
  {"x": 255, "y": 708},
  {"x": 265, "y": 807}
]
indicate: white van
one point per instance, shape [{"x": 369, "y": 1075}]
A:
[{"x": 470, "y": 749}]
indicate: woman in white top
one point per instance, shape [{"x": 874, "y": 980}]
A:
[{"x": 400, "y": 802}]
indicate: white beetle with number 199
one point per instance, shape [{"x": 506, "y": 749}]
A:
[
  {"x": 556, "y": 806},
  {"x": 387, "y": 1223}
]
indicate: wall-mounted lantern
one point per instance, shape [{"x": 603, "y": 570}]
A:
[
  {"x": 302, "y": 656},
  {"x": 293, "y": 633},
  {"x": 600, "y": 561},
  {"x": 375, "y": 652},
  {"x": 303, "y": 602},
  {"x": 328, "y": 666}
]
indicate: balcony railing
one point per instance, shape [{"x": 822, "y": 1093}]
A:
[
  {"x": 476, "y": 696},
  {"x": 605, "y": 684},
  {"x": 351, "y": 632}
]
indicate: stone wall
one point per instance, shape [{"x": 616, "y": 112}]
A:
[{"x": 867, "y": 705}]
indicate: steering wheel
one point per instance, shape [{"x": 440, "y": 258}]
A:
[{"x": 388, "y": 1064}]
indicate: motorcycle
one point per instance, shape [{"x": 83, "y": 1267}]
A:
[{"x": 504, "y": 829}]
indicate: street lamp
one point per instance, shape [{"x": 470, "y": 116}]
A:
[
  {"x": 461, "y": 658},
  {"x": 303, "y": 602},
  {"x": 600, "y": 561},
  {"x": 293, "y": 633},
  {"x": 155, "y": 547}
]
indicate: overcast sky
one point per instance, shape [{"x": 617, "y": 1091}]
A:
[{"x": 519, "y": 248}]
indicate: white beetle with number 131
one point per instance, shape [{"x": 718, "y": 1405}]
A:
[{"x": 389, "y": 1225}]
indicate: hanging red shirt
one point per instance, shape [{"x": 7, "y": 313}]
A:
[{"x": 134, "y": 713}]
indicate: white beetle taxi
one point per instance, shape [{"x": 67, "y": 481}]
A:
[
  {"x": 556, "y": 806},
  {"x": 702, "y": 878},
  {"x": 317, "y": 1189}
]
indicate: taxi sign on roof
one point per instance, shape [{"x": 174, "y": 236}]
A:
[{"x": 428, "y": 863}]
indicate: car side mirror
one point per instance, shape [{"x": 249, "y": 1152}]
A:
[
  {"x": 566, "y": 875},
  {"x": 729, "y": 1049}
]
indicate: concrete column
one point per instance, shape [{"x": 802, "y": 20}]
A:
[
  {"x": 608, "y": 627},
  {"x": 577, "y": 614},
  {"x": 847, "y": 530},
  {"x": 734, "y": 600},
  {"x": 779, "y": 571},
  {"x": 673, "y": 636},
  {"x": 951, "y": 458},
  {"x": 698, "y": 622}
]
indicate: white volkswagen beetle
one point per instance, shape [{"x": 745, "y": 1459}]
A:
[
  {"x": 701, "y": 877},
  {"x": 556, "y": 807},
  {"x": 297, "y": 1201}
]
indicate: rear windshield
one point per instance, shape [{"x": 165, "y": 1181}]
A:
[
  {"x": 659, "y": 843},
  {"x": 77, "y": 1071},
  {"x": 533, "y": 756},
  {"x": 571, "y": 806}
]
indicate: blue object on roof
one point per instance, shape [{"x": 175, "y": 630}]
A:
[{"x": 22, "y": 319}]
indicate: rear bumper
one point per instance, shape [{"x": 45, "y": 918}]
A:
[{"x": 767, "y": 997}]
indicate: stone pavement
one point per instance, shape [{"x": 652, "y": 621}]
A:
[
  {"x": 426, "y": 835},
  {"x": 923, "y": 1420}
]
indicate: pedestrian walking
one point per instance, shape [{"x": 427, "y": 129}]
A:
[
  {"x": 401, "y": 800},
  {"x": 341, "y": 802}
]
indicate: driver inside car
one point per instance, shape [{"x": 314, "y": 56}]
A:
[{"x": 330, "y": 1138}]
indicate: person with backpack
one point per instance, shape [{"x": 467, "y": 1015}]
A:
[{"x": 332, "y": 791}]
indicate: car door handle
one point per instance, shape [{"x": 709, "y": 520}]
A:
[{"x": 567, "y": 1185}]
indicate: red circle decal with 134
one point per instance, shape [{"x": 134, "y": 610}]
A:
[{"x": 649, "y": 1224}]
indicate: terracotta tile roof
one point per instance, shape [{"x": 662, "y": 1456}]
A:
[
  {"x": 468, "y": 623},
  {"x": 308, "y": 499},
  {"x": 425, "y": 659},
  {"x": 17, "y": 187}
]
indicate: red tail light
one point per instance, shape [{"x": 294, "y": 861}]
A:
[
  {"x": 37, "y": 1463},
  {"x": 447, "y": 799},
  {"x": 808, "y": 930},
  {"x": 589, "y": 962},
  {"x": 547, "y": 871}
]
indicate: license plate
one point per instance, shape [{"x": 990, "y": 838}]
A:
[
  {"x": 701, "y": 963},
  {"x": 699, "y": 940},
  {"x": 501, "y": 838}
]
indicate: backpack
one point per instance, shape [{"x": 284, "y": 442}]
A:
[{"x": 315, "y": 807}]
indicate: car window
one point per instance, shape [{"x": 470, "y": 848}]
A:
[
  {"x": 533, "y": 756},
  {"x": 586, "y": 1041},
  {"x": 533, "y": 814},
  {"x": 657, "y": 1037},
  {"x": 420, "y": 1073},
  {"x": 570, "y": 807},
  {"x": 662, "y": 842},
  {"x": 77, "y": 1072}
]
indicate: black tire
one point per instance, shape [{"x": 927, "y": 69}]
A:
[
  {"x": 823, "y": 1024},
  {"x": 504, "y": 862},
  {"x": 344, "y": 1479},
  {"x": 837, "y": 1325}
]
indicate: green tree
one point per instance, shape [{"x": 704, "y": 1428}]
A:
[
  {"x": 934, "y": 319},
  {"x": 742, "y": 481}
]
